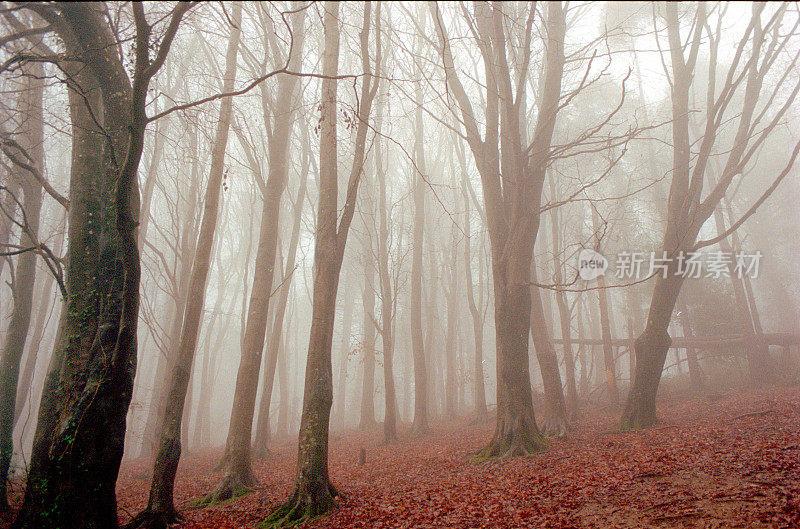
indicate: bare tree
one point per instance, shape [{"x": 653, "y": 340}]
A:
[
  {"x": 511, "y": 198},
  {"x": 314, "y": 494},
  {"x": 238, "y": 474},
  {"x": 71, "y": 482},
  {"x": 32, "y": 137},
  {"x": 160, "y": 510},
  {"x": 687, "y": 209}
]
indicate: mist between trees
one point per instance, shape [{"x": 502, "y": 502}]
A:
[{"x": 226, "y": 224}]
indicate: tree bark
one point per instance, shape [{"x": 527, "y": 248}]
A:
[
  {"x": 512, "y": 197},
  {"x": 79, "y": 440},
  {"x": 273, "y": 347},
  {"x": 46, "y": 310},
  {"x": 477, "y": 318},
  {"x": 420, "y": 424},
  {"x": 237, "y": 468},
  {"x": 451, "y": 332},
  {"x": 340, "y": 395},
  {"x": 313, "y": 493},
  {"x": 565, "y": 316},
  {"x": 367, "y": 420},
  {"x": 610, "y": 370},
  {"x": 387, "y": 294},
  {"x": 555, "y": 417},
  {"x": 160, "y": 510},
  {"x": 180, "y": 290}
]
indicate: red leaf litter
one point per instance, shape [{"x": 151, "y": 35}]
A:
[{"x": 730, "y": 461}]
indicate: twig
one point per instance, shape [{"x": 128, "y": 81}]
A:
[{"x": 753, "y": 414}]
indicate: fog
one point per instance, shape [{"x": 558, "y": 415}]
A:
[{"x": 239, "y": 232}]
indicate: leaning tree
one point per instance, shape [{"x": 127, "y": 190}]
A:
[{"x": 746, "y": 91}]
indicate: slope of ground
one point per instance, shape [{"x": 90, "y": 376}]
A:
[{"x": 733, "y": 461}]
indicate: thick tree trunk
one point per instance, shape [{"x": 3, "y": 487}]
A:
[
  {"x": 512, "y": 197},
  {"x": 79, "y": 438},
  {"x": 31, "y": 139},
  {"x": 516, "y": 432},
  {"x": 651, "y": 350},
  {"x": 160, "y": 509}
]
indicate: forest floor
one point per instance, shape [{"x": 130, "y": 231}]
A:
[{"x": 722, "y": 460}]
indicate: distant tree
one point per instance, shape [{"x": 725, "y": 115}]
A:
[
  {"x": 31, "y": 136},
  {"x": 236, "y": 466}
]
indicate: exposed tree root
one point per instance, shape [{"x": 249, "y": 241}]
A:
[
  {"x": 260, "y": 452},
  {"x": 233, "y": 485},
  {"x": 153, "y": 520},
  {"x": 482, "y": 418},
  {"x": 505, "y": 447},
  {"x": 313, "y": 501},
  {"x": 636, "y": 420},
  {"x": 637, "y": 416},
  {"x": 365, "y": 426}
]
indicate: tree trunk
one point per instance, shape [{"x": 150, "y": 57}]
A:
[
  {"x": 564, "y": 314},
  {"x": 160, "y": 509},
  {"x": 31, "y": 139},
  {"x": 340, "y": 396},
  {"x": 273, "y": 347},
  {"x": 368, "y": 347},
  {"x": 420, "y": 424},
  {"x": 282, "y": 424},
  {"x": 387, "y": 294},
  {"x": 584, "y": 376},
  {"x": 238, "y": 474},
  {"x": 451, "y": 333},
  {"x": 555, "y": 417},
  {"x": 314, "y": 494},
  {"x": 46, "y": 310},
  {"x": 180, "y": 288},
  {"x": 78, "y": 442},
  {"x": 651, "y": 350},
  {"x": 695, "y": 371},
  {"x": 477, "y": 317}
]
